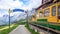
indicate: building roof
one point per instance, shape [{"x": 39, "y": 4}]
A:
[{"x": 44, "y": 4}]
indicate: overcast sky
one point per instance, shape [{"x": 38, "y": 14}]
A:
[
  {"x": 23, "y": 4},
  {"x": 14, "y": 4}
]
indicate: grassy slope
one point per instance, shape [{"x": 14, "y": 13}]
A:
[
  {"x": 7, "y": 31},
  {"x": 2, "y": 27},
  {"x": 32, "y": 31}
]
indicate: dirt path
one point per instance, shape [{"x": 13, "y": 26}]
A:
[{"x": 20, "y": 30}]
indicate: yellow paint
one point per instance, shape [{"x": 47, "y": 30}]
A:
[
  {"x": 34, "y": 18},
  {"x": 54, "y": 0},
  {"x": 51, "y": 18}
]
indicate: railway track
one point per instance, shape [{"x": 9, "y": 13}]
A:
[{"x": 49, "y": 30}]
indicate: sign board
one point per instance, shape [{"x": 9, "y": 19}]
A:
[{"x": 18, "y": 10}]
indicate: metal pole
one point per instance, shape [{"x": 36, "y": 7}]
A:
[
  {"x": 27, "y": 18},
  {"x": 9, "y": 18}
]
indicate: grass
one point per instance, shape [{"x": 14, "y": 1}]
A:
[
  {"x": 32, "y": 31},
  {"x": 7, "y": 31},
  {"x": 2, "y": 27}
]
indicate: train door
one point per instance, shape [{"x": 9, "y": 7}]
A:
[
  {"x": 59, "y": 13},
  {"x": 53, "y": 14}
]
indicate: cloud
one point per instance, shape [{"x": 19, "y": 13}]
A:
[
  {"x": 22, "y": 4},
  {"x": 31, "y": 3},
  {"x": 25, "y": 2},
  {"x": 5, "y": 5}
]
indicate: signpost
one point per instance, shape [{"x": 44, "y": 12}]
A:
[
  {"x": 9, "y": 18},
  {"x": 27, "y": 18},
  {"x": 15, "y": 10}
]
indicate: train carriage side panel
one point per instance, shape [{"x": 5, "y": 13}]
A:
[
  {"x": 58, "y": 12},
  {"x": 52, "y": 18}
]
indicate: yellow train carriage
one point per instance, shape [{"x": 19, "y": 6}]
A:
[
  {"x": 34, "y": 18},
  {"x": 52, "y": 13},
  {"x": 40, "y": 14}
]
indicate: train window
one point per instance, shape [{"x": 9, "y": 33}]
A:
[
  {"x": 58, "y": 0},
  {"x": 40, "y": 15},
  {"x": 59, "y": 10},
  {"x": 48, "y": 0},
  {"x": 46, "y": 12},
  {"x": 53, "y": 10}
]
